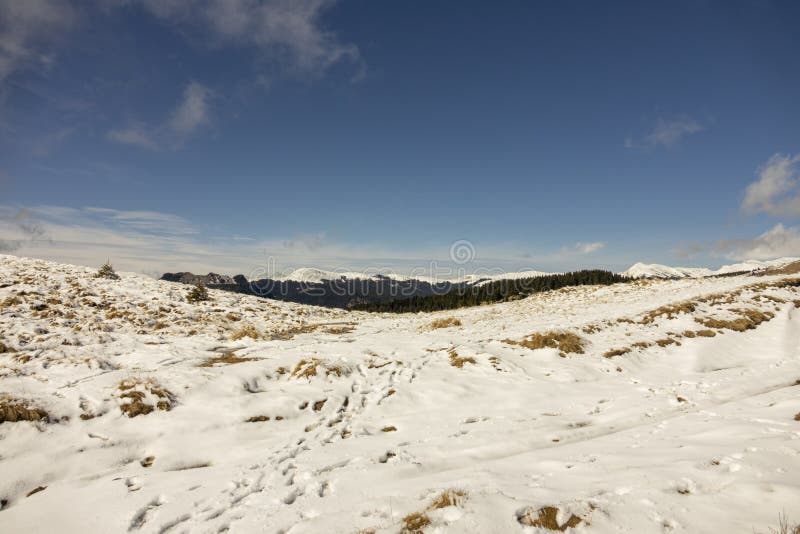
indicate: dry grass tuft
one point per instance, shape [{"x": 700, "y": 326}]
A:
[
  {"x": 706, "y": 333},
  {"x": 797, "y": 416},
  {"x": 446, "y": 322},
  {"x": 667, "y": 341},
  {"x": 565, "y": 342},
  {"x": 228, "y": 358},
  {"x": 135, "y": 392},
  {"x": 450, "y": 497},
  {"x": 15, "y": 410},
  {"x": 458, "y": 361},
  {"x": 616, "y": 352},
  {"x": 547, "y": 518},
  {"x": 346, "y": 329},
  {"x": 670, "y": 311},
  {"x": 783, "y": 526},
  {"x": 641, "y": 344},
  {"x": 307, "y": 368},
  {"x": 389, "y": 429},
  {"x": 258, "y": 419},
  {"x": 748, "y": 320},
  {"x": 317, "y": 406},
  {"x": 246, "y": 330},
  {"x": 414, "y": 523}
]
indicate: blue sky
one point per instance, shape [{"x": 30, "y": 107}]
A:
[{"x": 217, "y": 134}]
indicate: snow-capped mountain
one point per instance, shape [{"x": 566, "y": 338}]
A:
[{"x": 654, "y": 270}]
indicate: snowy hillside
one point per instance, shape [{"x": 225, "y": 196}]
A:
[
  {"x": 654, "y": 270},
  {"x": 651, "y": 406}
]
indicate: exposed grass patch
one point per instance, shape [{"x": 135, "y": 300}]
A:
[
  {"x": 615, "y": 352},
  {"x": 389, "y": 429},
  {"x": 748, "y": 320},
  {"x": 246, "y": 330},
  {"x": 705, "y": 333},
  {"x": 667, "y": 341},
  {"x": 135, "y": 393},
  {"x": 233, "y": 316},
  {"x": 797, "y": 416},
  {"x": 546, "y": 518},
  {"x": 449, "y": 497},
  {"x": 15, "y": 410},
  {"x": 307, "y": 368},
  {"x": 228, "y": 358},
  {"x": 317, "y": 406},
  {"x": 290, "y": 332},
  {"x": 670, "y": 311},
  {"x": 459, "y": 361},
  {"x": 345, "y": 329},
  {"x": 416, "y": 522},
  {"x": 258, "y": 419},
  {"x": 565, "y": 342},
  {"x": 446, "y": 322},
  {"x": 641, "y": 344}
]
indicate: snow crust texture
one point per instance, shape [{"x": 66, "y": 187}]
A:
[{"x": 650, "y": 406}]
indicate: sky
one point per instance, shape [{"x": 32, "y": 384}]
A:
[{"x": 241, "y": 135}]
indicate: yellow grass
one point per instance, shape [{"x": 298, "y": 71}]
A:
[{"x": 565, "y": 342}]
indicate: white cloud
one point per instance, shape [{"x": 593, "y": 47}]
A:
[
  {"x": 191, "y": 112},
  {"x": 136, "y": 135},
  {"x": 286, "y": 30},
  {"x": 666, "y": 133},
  {"x": 780, "y": 241},
  {"x": 777, "y": 190},
  {"x": 588, "y": 248},
  {"x": 27, "y": 27},
  {"x": 581, "y": 248}
]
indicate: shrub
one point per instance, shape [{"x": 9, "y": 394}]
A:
[
  {"x": 197, "y": 294},
  {"x": 107, "y": 272}
]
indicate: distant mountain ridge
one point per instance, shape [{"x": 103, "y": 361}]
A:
[{"x": 654, "y": 270}]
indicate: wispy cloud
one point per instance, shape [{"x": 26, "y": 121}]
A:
[
  {"x": 191, "y": 113},
  {"x": 134, "y": 135},
  {"x": 27, "y": 28},
  {"x": 288, "y": 31},
  {"x": 666, "y": 133},
  {"x": 777, "y": 189},
  {"x": 581, "y": 248}
]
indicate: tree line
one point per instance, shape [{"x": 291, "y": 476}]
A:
[{"x": 491, "y": 292}]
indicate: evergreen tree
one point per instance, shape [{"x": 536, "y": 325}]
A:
[
  {"x": 107, "y": 271},
  {"x": 197, "y": 293}
]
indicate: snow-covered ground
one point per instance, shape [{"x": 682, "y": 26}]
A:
[{"x": 682, "y": 433}]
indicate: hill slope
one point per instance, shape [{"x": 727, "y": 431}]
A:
[{"x": 670, "y": 408}]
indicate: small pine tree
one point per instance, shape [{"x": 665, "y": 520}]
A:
[
  {"x": 107, "y": 271},
  {"x": 197, "y": 293}
]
